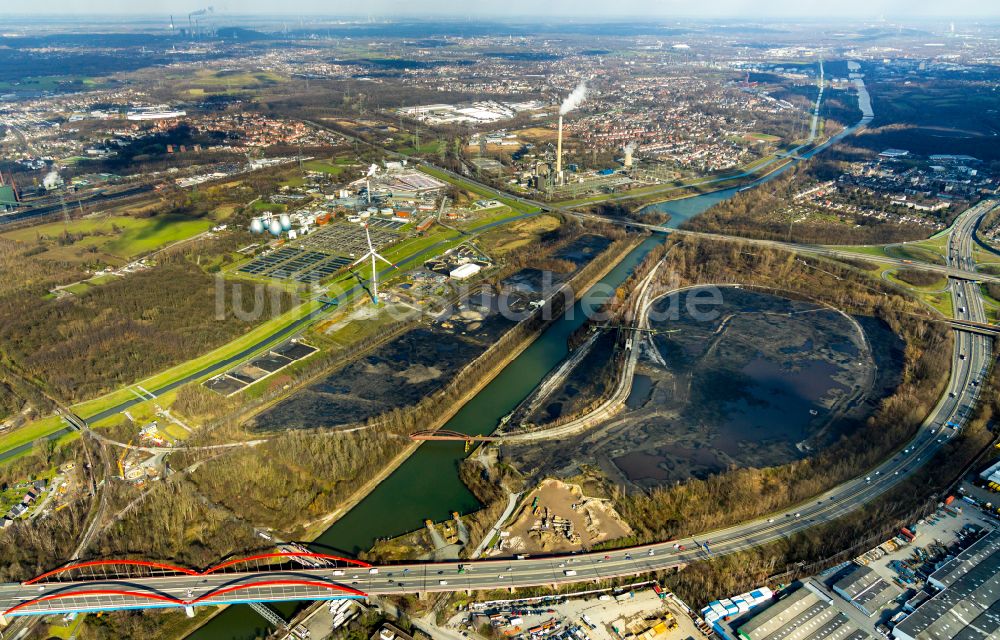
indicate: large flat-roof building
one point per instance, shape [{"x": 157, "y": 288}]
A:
[
  {"x": 866, "y": 590},
  {"x": 8, "y": 198},
  {"x": 805, "y": 614},
  {"x": 968, "y": 605}
]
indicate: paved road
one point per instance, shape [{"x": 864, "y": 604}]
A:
[
  {"x": 954, "y": 269},
  {"x": 972, "y": 355},
  {"x": 270, "y": 340}
]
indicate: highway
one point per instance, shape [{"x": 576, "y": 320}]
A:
[
  {"x": 971, "y": 360},
  {"x": 104, "y": 591}
]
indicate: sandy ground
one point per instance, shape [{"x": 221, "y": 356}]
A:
[{"x": 592, "y": 520}]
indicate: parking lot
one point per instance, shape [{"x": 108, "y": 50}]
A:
[{"x": 939, "y": 529}]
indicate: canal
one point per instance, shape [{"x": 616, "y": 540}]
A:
[{"x": 427, "y": 485}]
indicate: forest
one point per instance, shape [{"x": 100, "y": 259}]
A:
[
  {"x": 81, "y": 346},
  {"x": 741, "y": 494}
]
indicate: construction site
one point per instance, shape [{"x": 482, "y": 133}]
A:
[
  {"x": 557, "y": 517},
  {"x": 642, "y": 611}
]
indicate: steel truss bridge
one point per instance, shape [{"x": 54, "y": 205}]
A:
[{"x": 445, "y": 434}]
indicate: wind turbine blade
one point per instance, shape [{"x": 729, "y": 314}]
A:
[
  {"x": 384, "y": 260},
  {"x": 361, "y": 259}
]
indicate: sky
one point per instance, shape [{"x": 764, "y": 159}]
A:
[{"x": 898, "y": 9}]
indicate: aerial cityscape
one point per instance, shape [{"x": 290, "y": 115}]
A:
[{"x": 440, "y": 320}]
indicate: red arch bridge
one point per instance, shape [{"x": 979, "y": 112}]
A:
[{"x": 105, "y": 585}]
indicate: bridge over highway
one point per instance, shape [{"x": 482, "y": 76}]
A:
[{"x": 102, "y": 585}]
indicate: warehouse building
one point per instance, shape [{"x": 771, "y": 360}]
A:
[
  {"x": 805, "y": 614},
  {"x": 968, "y": 605},
  {"x": 866, "y": 590}
]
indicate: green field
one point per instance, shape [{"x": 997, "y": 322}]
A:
[
  {"x": 474, "y": 188},
  {"x": 935, "y": 295},
  {"x": 767, "y": 137},
  {"x": 45, "y": 426},
  {"x": 915, "y": 253},
  {"x": 31, "y": 432},
  {"x": 123, "y": 237},
  {"x": 84, "y": 286},
  {"x": 322, "y": 166},
  {"x": 260, "y": 205},
  {"x": 409, "y": 247}
]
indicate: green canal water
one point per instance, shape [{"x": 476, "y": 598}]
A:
[{"x": 427, "y": 484}]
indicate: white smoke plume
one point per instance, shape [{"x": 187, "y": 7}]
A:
[
  {"x": 631, "y": 146},
  {"x": 574, "y": 99},
  {"x": 51, "y": 180}
]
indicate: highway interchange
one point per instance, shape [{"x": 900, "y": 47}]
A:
[
  {"x": 970, "y": 362},
  {"x": 971, "y": 359}
]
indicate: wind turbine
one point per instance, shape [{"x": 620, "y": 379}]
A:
[{"x": 371, "y": 254}]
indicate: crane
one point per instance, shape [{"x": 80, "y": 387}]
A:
[{"x": 121, "y": 459}]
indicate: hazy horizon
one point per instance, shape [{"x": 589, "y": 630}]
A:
[{"x": 526, "y": 9}]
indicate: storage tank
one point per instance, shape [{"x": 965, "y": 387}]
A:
[
  {"x": 286, "y": 221},
  {"x": 275, "y": 227},
  {"x": 257, "y": 225}
]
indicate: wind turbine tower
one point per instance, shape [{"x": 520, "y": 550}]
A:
[{"x": 373, "y": 255}]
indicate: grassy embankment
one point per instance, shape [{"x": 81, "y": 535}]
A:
[{"x": 438, "y": 241}]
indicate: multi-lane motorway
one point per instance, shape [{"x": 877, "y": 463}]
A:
[{"x": 971, "y": 360}]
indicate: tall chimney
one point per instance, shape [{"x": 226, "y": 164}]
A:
[
  {"x": 628, "y": 156},
  {"x": 559, "y": 151}
]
